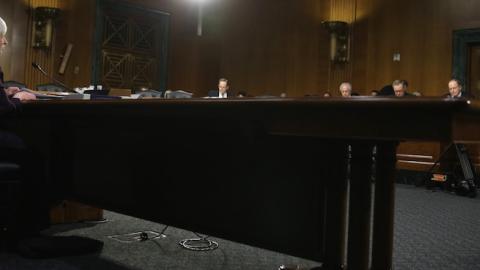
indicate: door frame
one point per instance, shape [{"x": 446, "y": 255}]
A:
[{"x": 462, "y": 39}]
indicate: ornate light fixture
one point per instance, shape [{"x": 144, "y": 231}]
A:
[
  {"x": 339, "y": 40},
  {"x": 43, "y": 23}
]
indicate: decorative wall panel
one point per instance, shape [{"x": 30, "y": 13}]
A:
[
  {"x": 116, "y": 69},
  {"x": 133, "y": 43},
  {"x": 116, "y": 33}
]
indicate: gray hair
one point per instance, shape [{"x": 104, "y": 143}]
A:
[
  {"x": 223, "y": 80},
  {"x": 3, "y": 27},
  {"x": 403, "y": 83},
  {"x": 347, "y": 84},
  {"x": 459, "y": 83}
]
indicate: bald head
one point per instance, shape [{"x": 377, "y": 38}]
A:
[{"x": 454, "y": 88}]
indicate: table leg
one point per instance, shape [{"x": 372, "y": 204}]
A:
[
  {"x": 358, "y": 253},
  {"x": 382, "y": 247},
  {"x": 335, "y": 207}
]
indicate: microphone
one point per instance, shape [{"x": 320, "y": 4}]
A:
[{"x": 39, "y": 68}]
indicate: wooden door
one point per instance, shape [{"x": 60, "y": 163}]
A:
[{"x": 131, "y": 46}]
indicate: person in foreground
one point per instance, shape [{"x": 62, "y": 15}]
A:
[
  {"x": 31, "y": 213},
  {"x": 26, "y": 203}
]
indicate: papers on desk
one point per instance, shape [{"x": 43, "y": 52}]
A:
[
  {"x": 56, "y": 95},
  {"x": 46, "y": 96},
  {"x": 71, "y": 95},
  {"x": 132, "y": 96}
]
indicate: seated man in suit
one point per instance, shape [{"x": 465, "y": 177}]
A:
[
  {"x": 400, "y": 88},
  {"x": 222, "y": 91},
  {"x": 20, "y": 229},
  {"x": 455, "y": 90}
]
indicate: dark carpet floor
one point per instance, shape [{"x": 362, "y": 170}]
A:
[{"x": 433, "y": 230}]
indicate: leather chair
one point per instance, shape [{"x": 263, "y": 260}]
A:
[{"x": 9, "y": 190}]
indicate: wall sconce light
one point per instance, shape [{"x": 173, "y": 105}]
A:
[
  {"x": 43, "y": 22},
  {"x": 339, "y": 40}
]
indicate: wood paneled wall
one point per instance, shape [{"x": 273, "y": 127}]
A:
[
  {"x": 193, "y": 61},
  {"x": 44, "y": 57},
  {"x": 421, "y": 31},
  {"x": 76, "y": 26},
  {"x": 273, "y": 47},
  {"x": 269, "y": 47},
  {"x": 188, "y": 67}
]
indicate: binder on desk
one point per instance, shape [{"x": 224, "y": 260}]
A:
[
  {"x": 96, "y": 92},
  {"x": 99, "y": 94},
  {"x": 97, "y": 97}
]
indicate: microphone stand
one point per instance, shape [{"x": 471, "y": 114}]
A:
[{"x": 39, "y": 68}]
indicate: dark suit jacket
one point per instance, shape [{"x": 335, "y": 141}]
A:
[
  {"x": 214, "y": 93},
  {"x": 387, "y": 90},
  {"x": 7, "y": 105},
  {"x": 464, "y": 95},
  {"x": 1, "y": 76}
]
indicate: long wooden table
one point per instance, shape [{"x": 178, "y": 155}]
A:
[{"x": 273, "y": 173}]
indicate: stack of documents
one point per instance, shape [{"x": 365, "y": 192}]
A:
[{"x": 57, "y": 95}]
